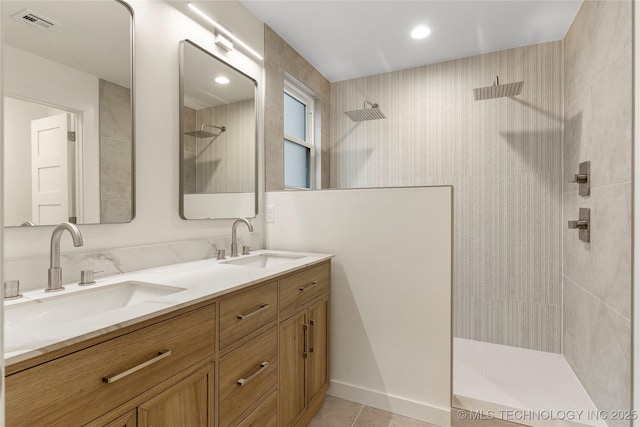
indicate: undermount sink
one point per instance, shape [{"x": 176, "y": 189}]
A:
[
  {"x": 264, "y": 260},
  {"x": 65, "y": 307}
]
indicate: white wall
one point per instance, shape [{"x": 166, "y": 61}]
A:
[
  {"x": 390, "y": 293},
  {"x": 220, "y": 205},
  {"x": 158, "y": 29}
]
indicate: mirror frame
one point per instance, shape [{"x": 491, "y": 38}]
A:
[
  {"x": 133, "y": 110},
  {"x": 181, "y": 149},
  {"x": 132, "y": 74}
]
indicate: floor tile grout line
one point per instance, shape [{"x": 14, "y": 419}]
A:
[{"x": 356, "y": 419}]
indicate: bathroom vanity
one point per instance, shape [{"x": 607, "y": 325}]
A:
[{"x": 242, "y": 343}]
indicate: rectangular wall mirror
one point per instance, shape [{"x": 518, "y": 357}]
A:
[
  {"x": 68, "y": 116},
  {"x": 218, "y": 138}
]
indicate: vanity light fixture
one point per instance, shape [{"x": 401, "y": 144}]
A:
[
  {"x": 224, "y": 31},
  {"x": 224, "y": 43},
  {"x": 420, "y": 32},
  {"x": 221, "y": 80}
]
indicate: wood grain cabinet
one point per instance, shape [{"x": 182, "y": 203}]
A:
[
  {"x": 129, "y": 419},
  {"x": 79, "y": 387},
  {"x": 304, "y": 345},
  {"x": 245, "y": 312},
  {"x": 188, "y": 403},
  {"x": 257, "y": 357},
  {"x": 247, "y": 374}
]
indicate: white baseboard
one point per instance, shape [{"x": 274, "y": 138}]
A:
[{"x": 390, "y": 403}]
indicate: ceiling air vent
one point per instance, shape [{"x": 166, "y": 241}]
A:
[{"x": 27, "y": 16}]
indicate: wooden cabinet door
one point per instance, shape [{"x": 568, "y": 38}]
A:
[
  {"x": 318, "y": 347},
  {"x": 188, "y": 403},
  {"x": 130, "y": 419},
  {"x": 292, "y": 399}
]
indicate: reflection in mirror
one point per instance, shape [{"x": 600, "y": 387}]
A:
[
  {"x": 68, "y": 116},
  {"x": 218, "y": 138}
]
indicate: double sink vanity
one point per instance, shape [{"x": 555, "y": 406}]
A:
[
  {"x": 235, "y": 342},
  {"x": 241, "y": 341}
]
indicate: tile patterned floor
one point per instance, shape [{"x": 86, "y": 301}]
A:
[{"x": 343, "y": 413}]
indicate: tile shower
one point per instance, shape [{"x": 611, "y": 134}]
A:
[
  {"x": 204, "y": 171},
  {"x": 521, "y": 279},
  {"x": 504, "y": 159}
]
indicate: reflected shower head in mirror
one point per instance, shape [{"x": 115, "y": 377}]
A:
[
  {"x": 497, "y": 90},
  {"x": 204, "y": 134},
  {"x": 373, "y": 113}
]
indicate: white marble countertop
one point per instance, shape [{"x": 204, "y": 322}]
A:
[{"x": 201, "y": 280}]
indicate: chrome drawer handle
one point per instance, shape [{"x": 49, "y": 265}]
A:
[
  {"x": 243, "y": 381},
  {"x": 113, "y": 378},
  {"x": 309, "y": 286},
  {"x": 254, "y": 312}
]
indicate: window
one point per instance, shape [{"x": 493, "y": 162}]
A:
[{"x": 299, "y": 148}]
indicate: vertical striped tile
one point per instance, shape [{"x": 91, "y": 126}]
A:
[
  {"x": 226, "y": 164},
  {"x": 504, "y": 158}
]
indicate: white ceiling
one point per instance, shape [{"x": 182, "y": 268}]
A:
[
  {"x": 350, "y": 39},
  {"x": 201, "y": 91},
  {"x": 92, "y": 36}
]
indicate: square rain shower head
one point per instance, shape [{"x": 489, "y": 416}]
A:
[
  {"x": 498, "y": 91},
  {"x": 373, "y": 113}
]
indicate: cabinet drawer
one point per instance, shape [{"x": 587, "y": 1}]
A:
[
  {"x": 244, "y": 313},
  {"x": 265, "y": 415},
  {"x": 72, "y": 390},
  {"x": 299, "y": 289},
  {"x": 246, "y": 374}
]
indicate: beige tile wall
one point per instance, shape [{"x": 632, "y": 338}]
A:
[
  {"x": 504, "y": 159},
  {"x": 597, "y": 275},
  {"x": 115, "y": 153},
  {"x": 189, "y": 150},
  {"x": 280, "y": 58}
]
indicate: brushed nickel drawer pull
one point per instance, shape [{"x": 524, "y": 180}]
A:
[
  {"x": 309, "y": 286},
  {"x": 109, "y": 379},
  {"x": 254, "y": 312},
  {"x": 243, "y": 381},
  {"x": 312, "y": 340}
]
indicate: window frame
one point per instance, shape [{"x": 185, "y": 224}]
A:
[{"x": 305, "y": 98}]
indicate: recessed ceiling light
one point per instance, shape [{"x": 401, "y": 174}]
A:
[
  {"x": 221, "y": 80},
  {"x": 420, "y": 32}
]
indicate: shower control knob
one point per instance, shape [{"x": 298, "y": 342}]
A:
[
  {"x": 580, "y": 178},
  {"x": 582, "y": 224}
]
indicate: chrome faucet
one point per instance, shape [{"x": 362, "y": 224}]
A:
[
  {"x": 234, "y": 238},
  {"x": 55, "y": 272}
]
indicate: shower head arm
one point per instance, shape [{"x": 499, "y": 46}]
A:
[
  {"x": 220, "y": 128},
  {"x": 373, "y": 104}
]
